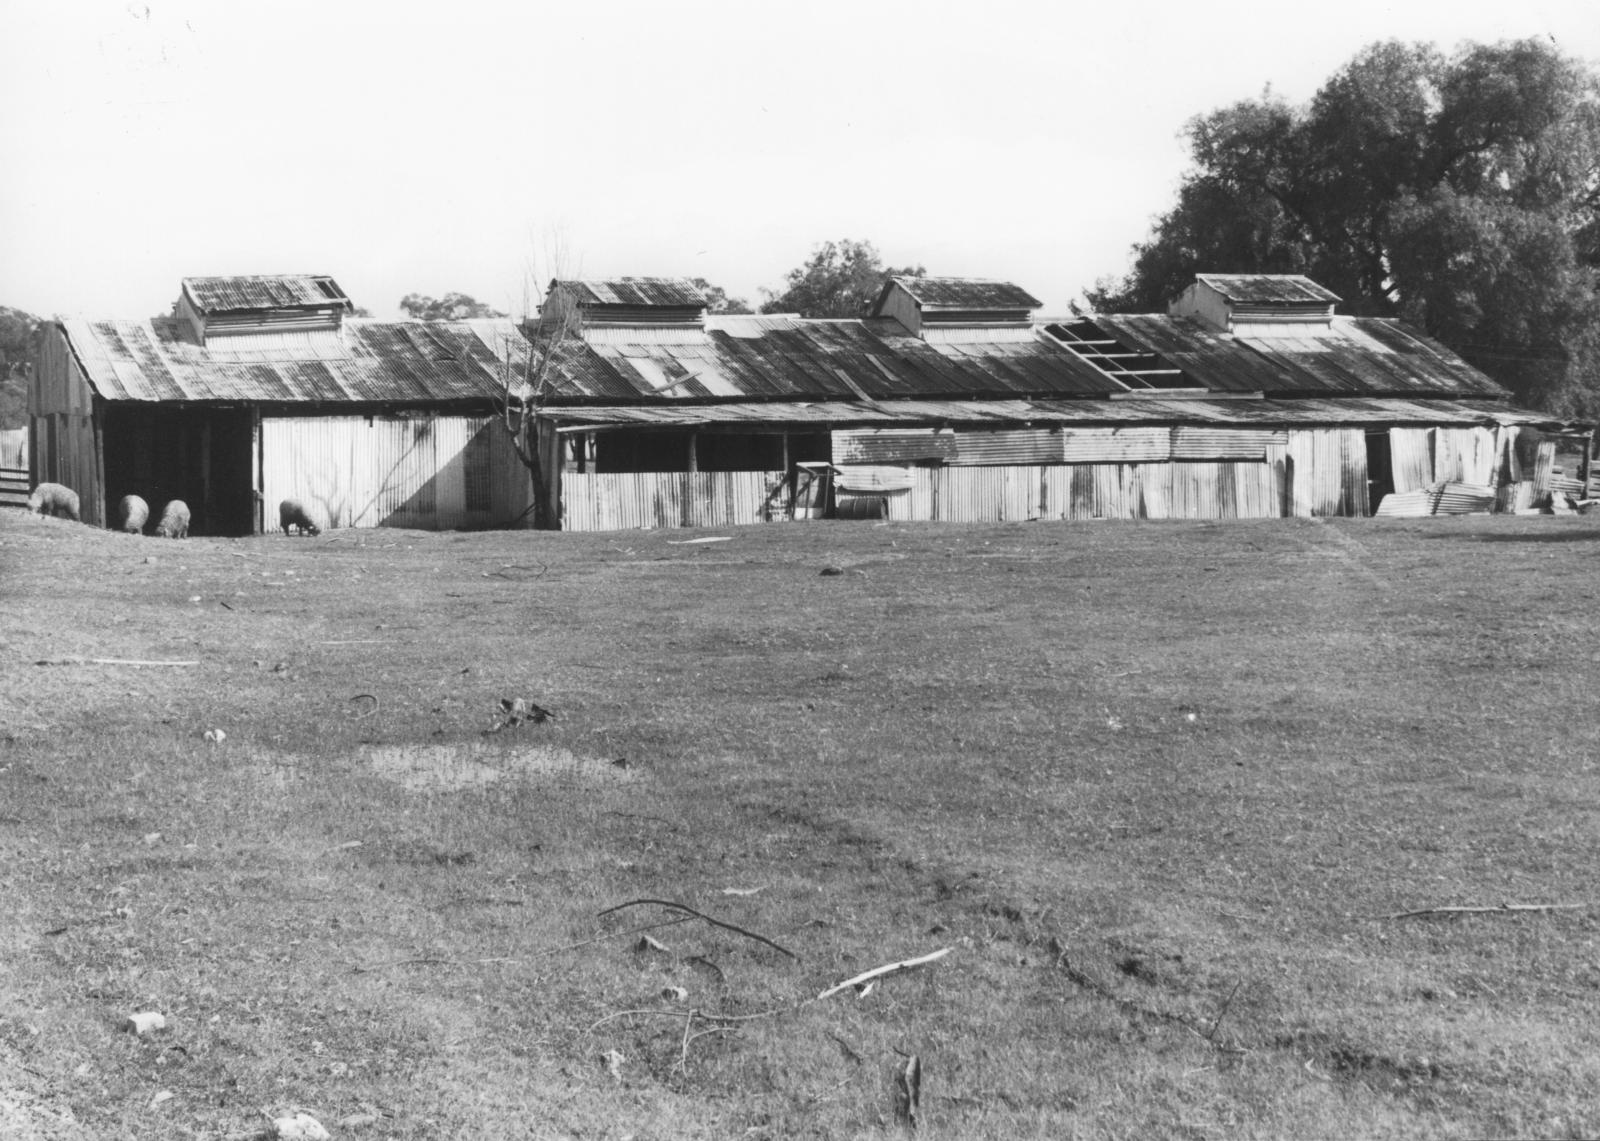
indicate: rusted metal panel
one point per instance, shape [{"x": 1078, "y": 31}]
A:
[
  {"x": 1268, "y": 288},
  {"x": 1115, "y": 445},
  {"x": 892, "y": 445},
  {"x": 1411, "y": 458},
  {"x": 667, "y": 292},
  {"x": 873, "y": 479},
  {"x": 1464, "y": 454},
  {"x": 267, "y": 291},
  {"x": 1014, "y": 446},
  {"x": 967, "y": 293},
  {"x": 367, "y": 362}
]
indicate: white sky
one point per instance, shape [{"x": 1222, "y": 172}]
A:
[{"x": 471, "y": 146}]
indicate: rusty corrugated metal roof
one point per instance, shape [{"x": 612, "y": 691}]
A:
[
  {"x": 367, "y": 361},
  {"x": 264, "y": 291},
  {"x": 1268, "y": 288},
  {"x": 1354, "y": 356},
  {"x": 1356, "y": 412},
  {"x": 967, "y": 293},
  {"x": 658, "y": 292},
  {"x": 777, "y": 358}
]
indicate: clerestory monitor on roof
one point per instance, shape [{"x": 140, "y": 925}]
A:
[
  {"x": 673, "y": 303},
  {"x": 923, "y": 304},
  {"x": 1256, "y": 301},
  {"x": 262, "y": 303}
]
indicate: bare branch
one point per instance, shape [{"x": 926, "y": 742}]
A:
[{"x": 707, "y": 918}]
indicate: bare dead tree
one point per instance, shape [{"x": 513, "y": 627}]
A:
[{"x": 550, "y": 342}]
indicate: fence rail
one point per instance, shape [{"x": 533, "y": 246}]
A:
[{"x": 13, "y": 487}]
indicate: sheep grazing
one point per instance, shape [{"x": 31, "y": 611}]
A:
[
  {"x": 293, "y": 513},
  {"x": 174, "y": 520},
  {"x": 135, "y": 513},
  {"x": 55, "y": 500}
]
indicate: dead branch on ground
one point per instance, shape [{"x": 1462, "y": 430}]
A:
[
  {"x": 1496, "y": 909},
  {"x": 707, "y": 918},
  {"x": 879, "y": 972}
]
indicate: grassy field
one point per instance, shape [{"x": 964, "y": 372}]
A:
[{"x": 1162, "y": 790}]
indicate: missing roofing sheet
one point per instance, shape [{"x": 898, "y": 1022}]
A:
[{"x": 1135, "y": 369}]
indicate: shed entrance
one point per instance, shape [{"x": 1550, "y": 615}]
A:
[{"x": 201, "y": 455}]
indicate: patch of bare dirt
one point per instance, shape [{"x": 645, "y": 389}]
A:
[{"x": 452, "y": 768}]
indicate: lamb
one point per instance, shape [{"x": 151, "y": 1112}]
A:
[
  {"x": 135, "y": 514},
  {"x": 293, "y": 513},
  {"x": 55, "y": 500},
  {"x": 174, "y": 520}
]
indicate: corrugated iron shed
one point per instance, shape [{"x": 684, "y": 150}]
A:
[
  {"x": 1267, "y": 288},
  {"x": 263, "y": 291},
  {"x": 367, "y": 361}
]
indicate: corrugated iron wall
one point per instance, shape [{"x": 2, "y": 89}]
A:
[
  {"x": 62, "y": 436},
  {"x": 1327, "y": 469},
  {"x": 395, "y": 471},
  {"x": 618, "y": 501}
]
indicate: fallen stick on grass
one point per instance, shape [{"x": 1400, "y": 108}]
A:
[
  {"x": 707, "y": 918},
  {"x": 107, "y": 662},
  {"x": 1490, "y": 910},
  {"x": 879, "y": 972}
]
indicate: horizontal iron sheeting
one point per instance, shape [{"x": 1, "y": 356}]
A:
[
  {"x": 892, "y": 445},
  {"x": 1015, "y": 446},
  {"x": 1126, "y": 445}
]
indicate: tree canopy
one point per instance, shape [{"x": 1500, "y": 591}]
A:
[
  {"x": 840, "y": 279},
  {"x": 717, "y": 299},
  {"x": 16, "y": 355},
  {"x": 1459, "y": 192},
  {"x": 450, "y": 307}
]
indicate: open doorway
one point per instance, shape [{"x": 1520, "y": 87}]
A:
[
  {"x": 1380, "y": 468},
  {"x": 198, "y": 454}
]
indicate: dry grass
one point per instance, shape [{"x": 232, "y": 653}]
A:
[{"x": 1156, "y": 785}]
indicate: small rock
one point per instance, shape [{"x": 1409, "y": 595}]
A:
[
  {"x": 144, "y": 1022},
  {"x": 152, "y": 838},
  {"x": 215, "y": 736},
  {"x": 612, "y": 1060},
  {"x": 829, "y": 572},
  {"x": 358, "y": 1121},
  {"x": 149, "y": 558},
  {"x": 674, "y": 994},
  {"x": 164, "y": 1095},
  {"x": 301, "y": 1126},
  {"x": 194, "y": 598},
  {"x": 647, "y": 945}
]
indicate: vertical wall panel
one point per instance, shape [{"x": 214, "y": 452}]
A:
[
  {"x": 389, "y": 472},
  {"x": 1411, "y": 458}
]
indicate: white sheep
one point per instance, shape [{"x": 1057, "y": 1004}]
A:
[
  {"x": 293, "y": 513},
  {"x": 55, "y": 500},
  {"x": 135, "y": 513},
  {"x": 174, "y": 520}
]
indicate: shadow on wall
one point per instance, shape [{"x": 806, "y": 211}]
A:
[{"x": 436, "y": 473}]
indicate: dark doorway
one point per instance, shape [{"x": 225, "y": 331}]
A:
[
  {"x": 1380, "y": 468},
  {"x": 200, "y": 455}
]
